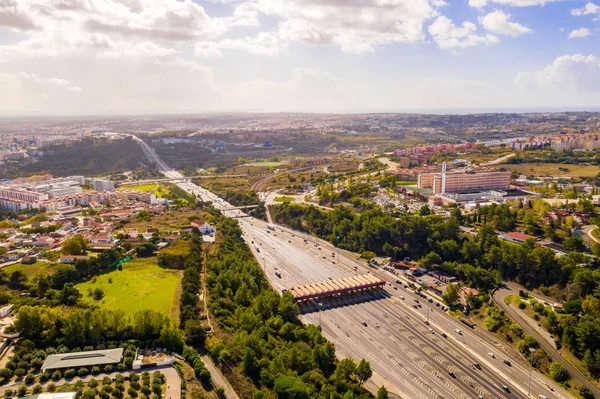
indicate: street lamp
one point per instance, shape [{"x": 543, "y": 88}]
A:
[{"x": 531, "y": 351}]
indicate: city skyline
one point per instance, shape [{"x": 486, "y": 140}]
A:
[{"x": 92, "y": 57}]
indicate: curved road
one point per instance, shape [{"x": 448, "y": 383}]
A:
[{"x": 499, "y": 297}]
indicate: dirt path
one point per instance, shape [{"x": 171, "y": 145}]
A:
[{"x": 218, "y": 379}]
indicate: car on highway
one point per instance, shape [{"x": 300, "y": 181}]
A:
[
  {"x": 329, "y": 277},
  {"x": 444, "y": 335},
  {"x": 401, "y": 297},
  {"x": 437, "y": 304},
  {"x": 506, "y": 389},
  {"x": 431, "y": 331},
  {"x": 477, "y": 366},
  {"x": 427, "y": 322},
  {"x": 507, "y": 363},
  {"x": 257, "y": 249},
  {"x": 543, "y": 396},
  {"x": 458, "y": 331},
  {"x": 451, "y": 374},
  {"x": 364, "y": 323},
  {"x": 355, "y": 268},
  {"x": 333, "y": 254},
  {"x": 490, "y": 354}
]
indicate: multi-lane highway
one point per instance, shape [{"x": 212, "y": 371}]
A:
[{"x": 413, "y": 359}]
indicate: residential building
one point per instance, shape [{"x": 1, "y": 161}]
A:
[{"x": 76, "y": 360}]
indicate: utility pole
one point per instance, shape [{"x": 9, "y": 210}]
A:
[
  {"x": 531, "y": 350},
  {"x": 338, "y": 248}
]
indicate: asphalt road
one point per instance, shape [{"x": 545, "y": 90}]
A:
[
  {"x": 499, "y": 296},
  {"x": 409, "y": 359}
]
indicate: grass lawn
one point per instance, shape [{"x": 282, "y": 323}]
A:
[
  {"x": 284, "y": 199},
  {"x": 268, "y": 164},
  {"x": 142, "y": 284},
  {"x": 38, "y": 269},
  {"x": 144, "y": 187},
  {"x": 552, "y": 169}
]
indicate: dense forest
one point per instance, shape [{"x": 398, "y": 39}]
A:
[
  {"x": 262, "y": 336},
  {"x": 87, "y": 157}
]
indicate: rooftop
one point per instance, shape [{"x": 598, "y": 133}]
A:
[{"x": 82, "y": 359}]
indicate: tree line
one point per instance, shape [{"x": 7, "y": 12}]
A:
[{"x": 262, "y": 336}]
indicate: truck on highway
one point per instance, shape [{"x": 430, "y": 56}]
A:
[{"x": 271, "y": 227}]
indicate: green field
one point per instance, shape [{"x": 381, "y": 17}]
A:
[
  {"x": 40, "y": 268},
  {"x": 268, "y": 164},
  {"x": 284, "y": 199},
  {"x": 142, "y": 284},
  {"x": 144, "y": 187},
  {"x": 553, "y": 169}
]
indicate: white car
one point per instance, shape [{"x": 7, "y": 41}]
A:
[
  {"x": 490, "y": 354},
  {"x": 458, "y": 331}
]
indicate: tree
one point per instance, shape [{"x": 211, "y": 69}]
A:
[
  {"x": 368, "y": 255},
  {"x": 69, "y": 295},
  {"x": 97, "y": 294},
  {"x": 363, "y": 371},
  {"x": 76, "y": 245},
  {"x": 425, "y": 210},
  {"x": 345, "y": 368},
  {"x": 451, "y": 295},
  {"x": 144, "y": 249},
  {"x": 574, "y": 243},
  {"x": 591, "y": 306},
  {"x": 382, "y": 393},
  {"x": 558, "y": 372}
]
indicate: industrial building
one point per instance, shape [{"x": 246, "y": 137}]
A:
[{"x": 82, "y": 359}]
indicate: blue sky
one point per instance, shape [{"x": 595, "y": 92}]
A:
[{"x": 137, "y": 56}]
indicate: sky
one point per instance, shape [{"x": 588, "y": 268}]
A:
[{"x": 93, "y": 57}]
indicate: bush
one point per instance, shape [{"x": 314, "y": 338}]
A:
[
  {"x": 133, "y": 377},
  {"x": 45, "y": 376},
  {"x": 56, "y": 375},
  {"x": 51, "y": 387},
  {"x": 8, "y": 393},
  {"x": 522, "y": 305},
  {"x": 120, "y": 378},
  {"x": 132, "y": 392},
  {"x": 83, "y": 372},
  {"x": 70, "y": 373},
  {"x": 6, "y": 374},
  {"x": 20, "y": 372},
  {"x": 108, "y": 368},
  {"x": 29, "y": 379},
  {"x": 559, "y": 373},
  {"x": 93, "y": 383},
  {"x": 37, "y": 389},
  {"x": 95, "y": 370},
  {"x": 22, "y": 391}
]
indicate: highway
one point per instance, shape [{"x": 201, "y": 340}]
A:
[
  {"x": 406, "y": 357},
  {"x": 499, "y": 297}
]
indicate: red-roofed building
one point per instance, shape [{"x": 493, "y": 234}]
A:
[{"x": 516, "y": 237}]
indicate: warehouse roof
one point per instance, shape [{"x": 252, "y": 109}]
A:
[{"x": 82, "y": 359}]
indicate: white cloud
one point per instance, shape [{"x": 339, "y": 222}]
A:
[
  {"x": 589, "y": 9},
  {"x": 480, "y": 4},
  {"x": 356, "y": 26},
  {"x": 14, "y": 16},
  {"x": 447, "y": 35},
  {"x": 578, "y": 73},
  {"x": 499, "y": 22},
  {"x": 579, "y": 33},
  {"x": 56, "y": 82},
  {"x": 265, "y": 43},
  {"x": 525, "y": 3}
]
